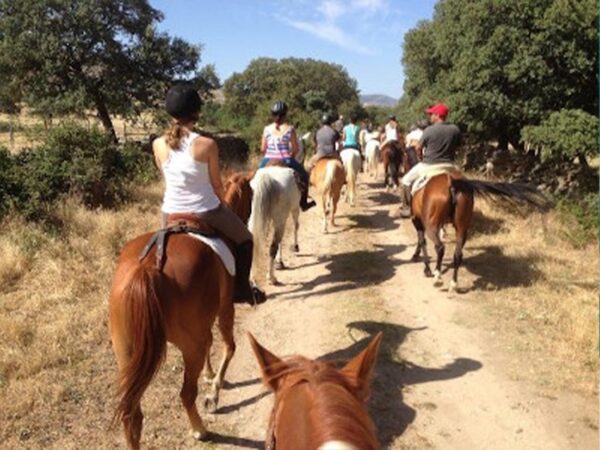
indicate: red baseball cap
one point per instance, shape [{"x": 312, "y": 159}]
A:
[{"x": 438, "y": 109}]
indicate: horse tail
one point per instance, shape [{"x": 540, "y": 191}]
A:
[
  {"x": 145, "y": 322},
  {"x": 263, "y": 198},
  {"x": 513, "y": 193},
  {"x": 330, "y": 170}
]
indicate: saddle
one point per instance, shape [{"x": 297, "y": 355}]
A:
[
  {"x": 176, "y": 224},
  {"x": 437, "y": 169}
]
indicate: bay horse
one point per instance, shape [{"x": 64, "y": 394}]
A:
[
  {"x": 449, "y": 198},
  {"x": 276, "y": 197},
  {"x": 316, "y": 405},
  {"x": 391, "y": 155},
  {"x": 352, "y": 164},
  {"x": 148, "y": 307},
  {"x": 328, "y": 176}
]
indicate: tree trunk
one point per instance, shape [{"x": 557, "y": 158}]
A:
[
  {"x": 503, "y": 141},
  {"x": 103, "y": 115},
  {"x": 583, "y": 161}
]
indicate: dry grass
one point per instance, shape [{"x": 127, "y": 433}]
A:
[
  {"x": 55, "y": 357},
  {"x": 543, "y": 300}
]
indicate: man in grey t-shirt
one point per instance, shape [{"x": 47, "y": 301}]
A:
[
  {"x": 438, "y": 146},
  {"x": 325, "y": 140}
]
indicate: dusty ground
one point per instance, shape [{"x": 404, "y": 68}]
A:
[{"x": 444, "y": 379}]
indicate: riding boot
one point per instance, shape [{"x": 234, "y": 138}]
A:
[
  {"x": 405, "y": 212},
  {"x": 304, "y": 203},
  {"x": 244, "y": 291}
]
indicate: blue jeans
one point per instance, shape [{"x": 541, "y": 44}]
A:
[{"x": 292, "y": 164}]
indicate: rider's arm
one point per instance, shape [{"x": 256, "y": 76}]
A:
[
  {"x": 160, "y": 152},
  {"x": 263, "y": 143},
  {"x": 211, "y": 150},
  {"x": 294, "y": 143}
]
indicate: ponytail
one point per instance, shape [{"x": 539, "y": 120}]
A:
[{"x": 175, "y": 134}]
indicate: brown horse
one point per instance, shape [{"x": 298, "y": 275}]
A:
[
  {"x": 391, "y": 155},
  {"x": 449, "y": 198},
  {"x": 179, "y": 304},
  {"x": 328, "y": 176},
  {"x": 316, "y": 405}
]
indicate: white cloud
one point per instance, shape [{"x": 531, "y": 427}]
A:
[
  {"x": 331, "y": 9},
  {"x": 332, "y": 33}
]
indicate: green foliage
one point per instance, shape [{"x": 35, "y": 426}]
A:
[
  {"x": 73, "y": 161},
  {"x": 309, "y": 87},
  {"x": 580, "y": 218},
  {"x": 501, "y": 65},
  {"x": 568, "y": 133},
  {"x": 61, "y": 56}
]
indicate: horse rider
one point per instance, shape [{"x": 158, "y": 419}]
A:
[
  {"x": 438, "y": 145},
  {"x": 189, "y": 163},
  {"x": 391, "y": 135},
  {"x": 412, "y": 139},
  {"x": 350, "y": 134},
  {"x": 279, "y": 142},
  {"x": 338, "y": 126},
  {"x": 326, "y": 139}
]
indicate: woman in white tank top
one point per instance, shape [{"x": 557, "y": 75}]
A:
[{"x": 190, "y": 166}]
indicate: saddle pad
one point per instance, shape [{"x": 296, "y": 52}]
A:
[
  {"x": 220, "y": 248},
  {"x": 428, "y": 172},
  {"x": 348, "y": 151}
]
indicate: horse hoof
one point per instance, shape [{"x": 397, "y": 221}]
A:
[
  {"x": 453, "y": 286},
  {"x": 210, "y": 403},
  {"x": 415, "y": 257},
  {"x": 428, "y": 273},
  {"x": 279, "y": 265},
  {"x": 200, "y": 435},
  {"x": 296, "y": 248},
  {"x": 438, "y": 282},
  {"x": 274, "y": 282},
  {"x": 208, "y": 379}
]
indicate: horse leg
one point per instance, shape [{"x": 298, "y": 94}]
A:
[
  {"x": 193, "y": 358},
  {"x": 295, "y": 218},
  {"x": 421, "y": 246},
  {"x": 226, "y": 317},
  {"x": 461, "y": 238},
  {"x": 419, "y": 228},
  {"x": 439, "y": 249},
  {"x": 325, "y": 200},
  {"x": 209, "y": 373},
  {"x": 274, "y": 251},
  {"x": 335, "y": 199}
]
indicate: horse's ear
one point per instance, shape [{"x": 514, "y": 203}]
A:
[
  {"x": 270, "y": 365},
  {"x": 359, "y": 370}
]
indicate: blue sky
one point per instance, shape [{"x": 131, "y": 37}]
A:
[{"x": 365, "y": 36}]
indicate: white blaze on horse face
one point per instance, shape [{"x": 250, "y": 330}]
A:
[{"x": 337, "y": 445}]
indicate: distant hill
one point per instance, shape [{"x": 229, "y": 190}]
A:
[{"x": 377, "y": 100}]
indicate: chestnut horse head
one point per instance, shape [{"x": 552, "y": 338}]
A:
[
  {"x": 316, "y": 405},
  {"x": 179, "y": 304}
]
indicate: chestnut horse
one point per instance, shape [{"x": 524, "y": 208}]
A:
[
  {"x": 449, "y": 198},
  {"x": 391, "y": 155},
  {"x": 316, "y": 405},
  {"x": 328, "y": 176},
  {"x": 179, "y": 304}
]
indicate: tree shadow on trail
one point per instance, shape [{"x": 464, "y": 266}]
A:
[
  {"x": 386, "y": 406},
  {"x": 375, "y": 221},
  {"x": 495, "y": 270},
  {"x": 352, "y": 270}
]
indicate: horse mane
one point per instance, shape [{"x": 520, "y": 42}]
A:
[
  {"x": 337, "y": 413},
  {"x": 234, "y": 187}
]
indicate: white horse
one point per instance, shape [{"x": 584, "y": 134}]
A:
[
  {"x": 352, "y": 161},
  {"x": 372, "y": 156},
  {"x": 276, "y": 196}
]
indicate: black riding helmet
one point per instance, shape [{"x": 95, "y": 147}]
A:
[
  {"x": 327, "y": 119},
  {"x": 422, "y": 124},
  {"x": 391, "y": 117},
  {"x": 279, "y": 108},
  {"x": 183, "y": 101}
]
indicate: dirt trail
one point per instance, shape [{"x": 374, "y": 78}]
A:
[{"x": 438, "y": 383}]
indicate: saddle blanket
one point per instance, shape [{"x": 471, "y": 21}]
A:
[
  {"x": 220, "y": 248},
  {"x": 430, "y": 171}
]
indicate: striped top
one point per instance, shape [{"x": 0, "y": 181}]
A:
[{"x": 278, "y": 147}]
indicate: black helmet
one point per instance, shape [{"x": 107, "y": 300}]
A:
[
  {"x": 279, "y": 108},
  {"x": 392, "y": 117},
  {"x": 183, "y": 101},
  {"x": 422, "y": 124},
  {"x": 327, "y": 119}
]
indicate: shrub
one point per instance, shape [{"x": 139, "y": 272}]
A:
[{"x": 136, "y": 163}]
